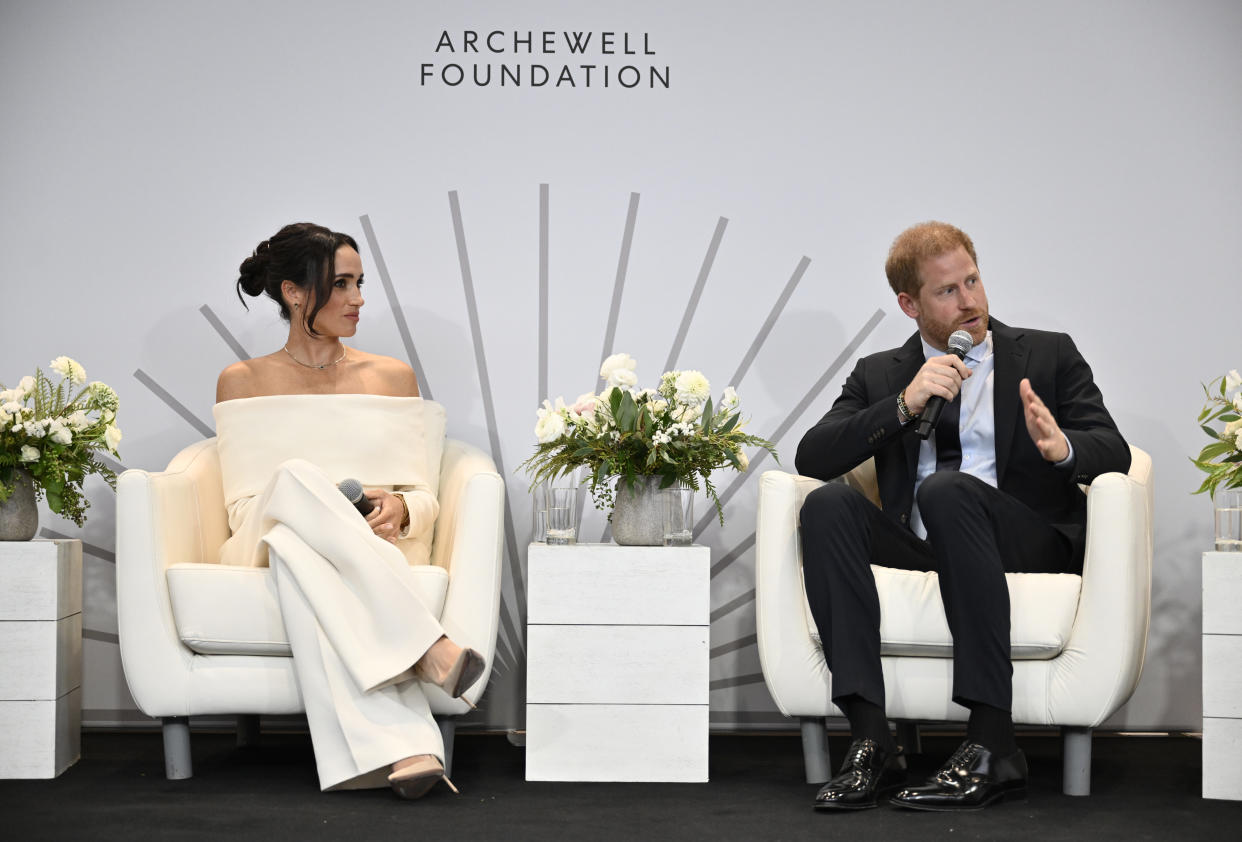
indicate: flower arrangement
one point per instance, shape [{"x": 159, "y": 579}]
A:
[
  {"x": 672, "y": 432},
  {"x": 53, "y": 434},
  {"x": 1222, "y": 459}
]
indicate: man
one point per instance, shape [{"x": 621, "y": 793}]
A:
[{"x": 993, "y": 490}]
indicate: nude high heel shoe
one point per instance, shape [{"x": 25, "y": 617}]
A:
[
  {"x": 416, "y": 779},
  {"x": 465, "y": 670}
]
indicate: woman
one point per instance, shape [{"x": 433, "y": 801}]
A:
[{"x": 290, "y": 426}]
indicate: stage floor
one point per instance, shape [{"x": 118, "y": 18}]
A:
[{"x": 1143, "y": 788}]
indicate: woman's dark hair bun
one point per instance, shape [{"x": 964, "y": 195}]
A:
[
  {"x": 253, "y": 270},
  {"x": 303, "y": 253}
]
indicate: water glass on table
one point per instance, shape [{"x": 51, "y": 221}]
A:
[
  {"x": 678, "y": 511},
  {"x": 562, "y": 518}
]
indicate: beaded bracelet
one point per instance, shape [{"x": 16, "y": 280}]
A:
[{"x": 906, "y": 414}]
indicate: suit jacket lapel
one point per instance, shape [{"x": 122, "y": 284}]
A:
[
  {"x": 1011, "y": 361},
  {"x": 907, "y": 360}
]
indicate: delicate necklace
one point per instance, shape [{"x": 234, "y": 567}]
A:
[{"x": 312, "y": 365}]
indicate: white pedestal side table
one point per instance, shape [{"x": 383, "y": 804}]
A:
[
  {"x": 617, "y": 663},
  {"x": 40, "y": 657},
  {"x": 1222, "y": 675}
]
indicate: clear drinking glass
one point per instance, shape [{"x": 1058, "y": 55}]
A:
[
  {"x": 562, "y": 515},
  {"x": 539, "y": 513},
  {"x": 1228, "y": 504},
  {"x": 677, "y": 506}
]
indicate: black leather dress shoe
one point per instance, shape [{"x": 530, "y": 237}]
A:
[
  {"x": 868, "y": 769},
  {"x": 972, "y": 779}
]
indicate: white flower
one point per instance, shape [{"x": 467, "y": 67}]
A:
[
  {"x": 70, "y": 369},
  {"x": 550, "y": 426},
  {"x": 661, "y": 437},
  {"x": 742, "y": 459},
  {"x": 729, "y": 400},
  {"x": 624, "y": 378},
  {"x": 618, "y": 370},
  {"x": 29, "y": 454},
  {"x": 11, "y": 407},
  {"x": 79, "y": 420},
  {"x": 658, "y": 407},
  {"x": 688, "y": 413},
  {"x": 59, "y": 433},
  {"x": 1237, "y": 402},
  {"x": 1231, "y": 428},
  {"x": 1233, "y": 380},
  {"x": 112, "y": 437},
  {"x": 26, "y": 386},
  {"x": 683, "y": 429},
  {"x": 34, "y": 429},
  {"x": 692, "y": 387}
]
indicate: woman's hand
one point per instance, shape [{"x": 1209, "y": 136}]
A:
[{"x": 385, "y": 519}]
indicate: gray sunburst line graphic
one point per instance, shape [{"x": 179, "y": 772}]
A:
[
  {"x": 394, "y": 303},
  {"x": 489, "y": 409},
  {"x": 732, "y": 605},
  {"x": 735, "y": 681},
  {"x": 225, "y": 333},
  {"x": 734, "y": 645},
  {"x": 734, "y": 554},
  {"x": 618, "y": 284},
  {"x": 116, "y": 466},
  {"x": 172, "y": 403},
  {"x": 543, "y": 295},
  {"x": 846, "y": 354},
  {"x": 93, "y": 550},
  {"x": 692, "y": 305},
  {"x": 775, "y": 313}
]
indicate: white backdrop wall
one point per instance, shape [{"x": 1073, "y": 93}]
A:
[{"x": 1091, "y": 149}]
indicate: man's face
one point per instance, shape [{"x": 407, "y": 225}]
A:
[{"x": 951, "y": 298}]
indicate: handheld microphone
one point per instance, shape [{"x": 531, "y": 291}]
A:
[
  {"x": 960, "y": 344},
  {"x": 352, "y": 489}
]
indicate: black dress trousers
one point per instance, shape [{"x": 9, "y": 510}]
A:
[{"x": 975, "y": 534}]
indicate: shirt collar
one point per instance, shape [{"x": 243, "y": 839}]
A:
[{"x": 976, "y": 355}]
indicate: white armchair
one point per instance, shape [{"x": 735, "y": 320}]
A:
[
  {"x": 200, "y": 638},
  {"x": 1077, "y": 641}
]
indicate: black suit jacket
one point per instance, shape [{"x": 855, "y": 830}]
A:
[{"x": 863, "y": 423}]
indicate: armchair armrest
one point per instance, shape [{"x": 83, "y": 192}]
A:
[
  {"x": 1109, "y": 639},
  {"x": 468, "y": 542},
  {"x": 787, "y": 654},
  {"x": 160, "y": 522}
]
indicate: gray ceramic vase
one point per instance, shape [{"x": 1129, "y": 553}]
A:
[
  {"x": 637, "y": 518},
  {"x": 19, "y": 515}
]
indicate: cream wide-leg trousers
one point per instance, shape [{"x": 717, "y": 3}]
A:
[{"x": 355, "y": 623}]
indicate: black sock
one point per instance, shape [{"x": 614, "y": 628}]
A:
[
  {"x": 992, "y": 728},
  {"x": 867, "y": 720}
]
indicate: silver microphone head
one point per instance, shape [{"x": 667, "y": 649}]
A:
[
  {"x": 351, "y": 488},
  {"x": 960, "y": 343}
]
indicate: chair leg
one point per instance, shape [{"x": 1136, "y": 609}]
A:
[
  {"x": 1076, "y": 757},
  {"x": 815, "y": 750},
  {"x": 908, "y": 737},
  {"x": 177, "y": 765},
  {"x": 248, "y": 730},
  {"x": 448, "y": 730}
]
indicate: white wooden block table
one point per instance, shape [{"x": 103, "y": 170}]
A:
[
  {"x": 40, "y": 657},
  {"x": 1222, "y": 675},
  {"x": 617, "y": 663}
]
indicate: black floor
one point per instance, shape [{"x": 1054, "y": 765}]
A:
[{"x": 1143, "y": 788}]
